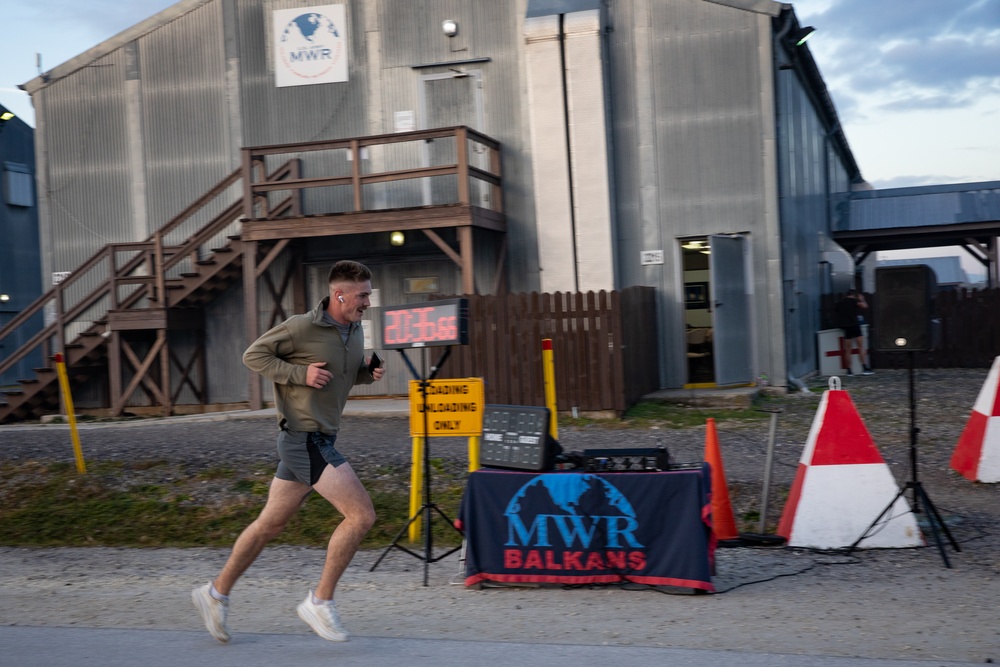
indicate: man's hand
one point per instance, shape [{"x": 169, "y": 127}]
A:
[
  {"x": 378, "y": 372},
  {"x": 316, "y": 376}
]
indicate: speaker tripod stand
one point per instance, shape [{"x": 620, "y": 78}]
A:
[
  {"x": 428, "y": 508},
  {"x": 920, "y": 497}
]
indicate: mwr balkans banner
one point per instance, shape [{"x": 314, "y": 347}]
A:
[{"x": 582, "y": 528}]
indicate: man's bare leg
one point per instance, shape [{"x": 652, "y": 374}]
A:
[
  {"x": 342, "y": 488},
  {"x": 283, "y": 500}
]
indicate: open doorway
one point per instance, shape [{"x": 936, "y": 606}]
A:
[
  {"x": 698, "y": 330},
  {"x": 717, "y": 318}
]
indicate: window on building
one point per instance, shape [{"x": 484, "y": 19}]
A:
[{"x": 17, "y": 185}]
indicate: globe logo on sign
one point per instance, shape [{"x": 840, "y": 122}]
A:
[
  {"x": 310, "y": 45},
  {"x": 546, "y": 512}
]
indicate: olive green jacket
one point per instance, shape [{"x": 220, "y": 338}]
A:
[{"x": 283, "y": 354}]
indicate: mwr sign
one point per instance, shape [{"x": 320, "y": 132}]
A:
[{"x": 454, "y": 407}]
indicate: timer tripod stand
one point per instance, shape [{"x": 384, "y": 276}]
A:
[
  {"x": 920, "y": 497},
  {"x": 428, "y": 508}
]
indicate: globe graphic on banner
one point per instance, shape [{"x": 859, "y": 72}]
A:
[
  {"x": 310, "y": 45},
  {"x": 566, "y": 494}
]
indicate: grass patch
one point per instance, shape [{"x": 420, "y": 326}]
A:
[
  {"x": 46, "y": 505},
  {"x": 667, "y": 415}
]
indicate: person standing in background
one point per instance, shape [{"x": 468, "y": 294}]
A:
[{"x": 849, "y": 313}]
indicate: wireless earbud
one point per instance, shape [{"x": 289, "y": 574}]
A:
[{"x": 340, "y": 298}]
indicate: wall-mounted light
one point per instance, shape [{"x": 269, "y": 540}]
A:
[
  {"x": 4, "y": 298},
  {"x": 6, "y": 115},
  {"x": 799, "y": 37},
  {"x": 449, "y": 27},
  {"x": 397, "y": 238}
]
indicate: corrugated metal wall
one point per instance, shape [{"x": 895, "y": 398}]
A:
[
  {"x": 488, "y": 43},
  {"x": 689, "y": 124},
  {"x": 20, "y": 264},
  {"x": 185, "y": 115},
  {"x": 83, "y": 149},
  {"x": 811, "y": 173}
]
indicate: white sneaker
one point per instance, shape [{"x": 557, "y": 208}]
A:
[
  {"x": 213, "y": 612},
  {"x": 323, "y": 619}
]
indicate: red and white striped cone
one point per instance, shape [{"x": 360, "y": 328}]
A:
[
  {"x": 843, "y": 484},
  {"x": 977, "y": 455}
]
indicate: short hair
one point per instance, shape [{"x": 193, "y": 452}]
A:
[
  {"x": 347, "y": 271},
  {"x": 852, "y": 292}
]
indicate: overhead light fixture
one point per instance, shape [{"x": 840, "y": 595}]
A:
[
  {"x": 694, "y": 244},
  {"x": 449, "y": 27},
  {"x": 397, "y": 238},
  {"x": 6, "y": 115},
  {"x": 800, "y": 36}
]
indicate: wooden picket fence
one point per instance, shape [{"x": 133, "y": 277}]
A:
[
  {"x": 604, "y": 348},
  {"x": 970, "y": 330}
]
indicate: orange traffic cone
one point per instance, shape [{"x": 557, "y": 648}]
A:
[{"x": 723, "y": 521}]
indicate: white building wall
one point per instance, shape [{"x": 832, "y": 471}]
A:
[
  {"x": 594, "y": 238},
  {"x": 548, "y": 149}
]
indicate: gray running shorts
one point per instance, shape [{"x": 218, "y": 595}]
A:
[{"x": 304, "y": 456}]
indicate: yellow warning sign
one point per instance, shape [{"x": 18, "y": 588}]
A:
[{"x": 454, "y": 407}]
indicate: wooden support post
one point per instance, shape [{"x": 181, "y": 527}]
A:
[
  {"x": 167, "y": 399},
  {"x": 202, "y": 367},
  {"x": 468, "y": 265},
  {"x": 299, "y": 304},
  {"x": 115, "y": 374},
  {"x": 462, "y": 161},
  {"x": 256, "y": 398}
]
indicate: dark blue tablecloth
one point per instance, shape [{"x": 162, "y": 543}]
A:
[{"x": 589, "y": 528}]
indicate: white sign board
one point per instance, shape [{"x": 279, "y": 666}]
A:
[
  {"x": 831, "y": 354},
  {"x": 367, "y": 327},
  {"x": 310, "y": 45},
  {"x": 647, "y": 257},
  {"x": 404, "y": 121}
]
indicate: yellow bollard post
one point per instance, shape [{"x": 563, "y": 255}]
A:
[
  {"x": 416, "y": 486},
  {"x": 549, "y": 378},
  {"x": 473, "y": 453},
  {"x": 81, "y": 467}
]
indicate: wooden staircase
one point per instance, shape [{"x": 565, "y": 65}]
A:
[
  {"x": 112, "y": 316},
  {"x": 135, "y": 290}
]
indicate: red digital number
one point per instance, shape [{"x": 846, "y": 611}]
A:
[
  {"x": 446, "y": 328},
  {"x": 420, "y": 325},
  {"x": 392, "y": 332}
]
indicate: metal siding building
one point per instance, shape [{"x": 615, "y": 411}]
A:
[
  {"x": 692, "y": 117},
  {"x": 676, "y": 122},
  {"x": 19, "y": 254}
]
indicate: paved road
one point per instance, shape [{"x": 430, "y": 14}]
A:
[{"x": 83, "y": 647}]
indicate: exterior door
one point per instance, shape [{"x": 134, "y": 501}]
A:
[
  {"x": 731, "y": 320},
  {"x": 447, "y": 100}
]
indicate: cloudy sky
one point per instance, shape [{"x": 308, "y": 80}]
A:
[{"x": 916, "y": 82}]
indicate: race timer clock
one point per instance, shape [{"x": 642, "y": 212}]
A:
[
  {"x": 517, "y": 437},
  {"x": 426, "y": 324}
]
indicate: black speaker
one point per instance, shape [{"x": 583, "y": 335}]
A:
[{"x": 904, "y": 308}]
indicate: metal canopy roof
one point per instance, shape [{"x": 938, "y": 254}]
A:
[{"x": 918, "y": 217}]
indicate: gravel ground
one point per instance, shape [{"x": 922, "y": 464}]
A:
[{"x": 899, "y": 603}]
